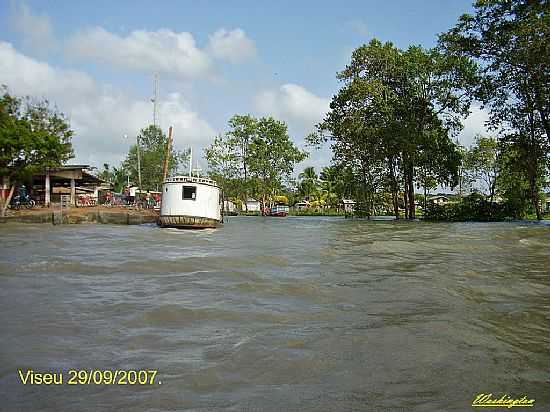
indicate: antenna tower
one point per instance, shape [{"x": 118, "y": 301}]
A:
[{"x": 155, "y": 99}]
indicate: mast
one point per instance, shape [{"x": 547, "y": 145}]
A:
[
  {"x": 190, "y": 161},
  {"x": 167, "y": 155}
]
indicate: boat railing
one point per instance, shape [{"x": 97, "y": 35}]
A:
[{"x": 190, "y": 179}]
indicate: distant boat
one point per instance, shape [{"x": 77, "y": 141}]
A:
[
  {"x": 279, "y": 211},
  {"x": 190, "y": 202}
]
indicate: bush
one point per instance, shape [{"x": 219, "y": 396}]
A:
[{"x": 472, "y": 208}]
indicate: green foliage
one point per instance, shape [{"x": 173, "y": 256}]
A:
[
  {"x": 255, "y": 157},
  {"x": 473, "y": 207},
  {"x": 390, "y": 124},
  {"x": 272, "y": 156},
  {"x": 510, "y": 39},
  {"x": 116, "y": 176},
  {"x": 33, "y": 136},
  {"x": 152, "y": 141},
  {"x": 482, "y": 163}
]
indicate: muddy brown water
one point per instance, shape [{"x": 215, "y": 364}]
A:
[{"x": 291, "y": 314}]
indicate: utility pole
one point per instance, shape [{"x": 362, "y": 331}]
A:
[{"x": 138, "y": 163}]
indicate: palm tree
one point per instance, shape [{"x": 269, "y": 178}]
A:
[{"x": 309, "y": 182}]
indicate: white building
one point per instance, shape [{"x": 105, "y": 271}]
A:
[
  {"x": 301, "y": 205},
  {"x": 349, "y": 205},
  {"x": 229, "y": 206},
  {"x": 252, "y": 205},
  {"x": 190, "y": 202},
  {"x": 438, "y": 200}
]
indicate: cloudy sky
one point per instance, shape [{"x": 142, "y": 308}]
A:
[{"x": 95, "y": 61}]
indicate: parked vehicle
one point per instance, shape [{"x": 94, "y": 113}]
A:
[{"x": 25, "y": 200}]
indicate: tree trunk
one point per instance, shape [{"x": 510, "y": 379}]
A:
[
  {"x": 411, "y": 196},
  {"x": 6, "y": 201},
  {"x": 405, "y": 198},
  {"x": 425, "y": 198},
  {"x": 395, "y": 189},
  {"x": 535, "y": 196}
]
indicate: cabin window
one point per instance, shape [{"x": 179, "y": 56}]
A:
[{"x": 189, "y": 193}]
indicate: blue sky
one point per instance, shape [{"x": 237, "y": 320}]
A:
[{"x": 95, "y": 60}]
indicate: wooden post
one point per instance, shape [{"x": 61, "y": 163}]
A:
[
  {"x": 167, "y": 156},
  {"x": 73, "y": 192},
  {"x": 47, "y": 190}
]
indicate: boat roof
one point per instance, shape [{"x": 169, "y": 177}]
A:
[{"x": 191, "y": 179}]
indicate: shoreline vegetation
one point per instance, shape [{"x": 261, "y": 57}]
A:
[
  {"x": 133, "y": 216},
  {"x": 392, "y": 128}
]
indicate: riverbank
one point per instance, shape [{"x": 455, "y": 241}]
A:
[{"x": 79, "y": 215}]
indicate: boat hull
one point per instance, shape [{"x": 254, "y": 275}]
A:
[
  {"x": 188, "y": 222},
  {"x": 279, "y": 214}
]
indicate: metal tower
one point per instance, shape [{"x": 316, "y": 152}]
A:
[{"x": 155, "y": 100}]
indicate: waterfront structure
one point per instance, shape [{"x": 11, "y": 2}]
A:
[
  {"x": 348, "y": 205},
  {"x": 438, "y": 200},
  {"x": 190, "y": 202},
  {"x": 73, "y": 180},
  {"x": 252, "y": 205},
  {"x": 229, "y": 206}
]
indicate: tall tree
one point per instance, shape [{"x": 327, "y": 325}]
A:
[
  {"x": 482, "y": 163},
  {"x": 152, "y": 151},
  {"x": 511, "y": 41},
  {"x": 33, "y": 136},
  {"x": 396, "y": 110},
  {"x": 223, "y": 164},
  {"x": 272, "y": 156},
  {"x": 242, "y": 129},
  {"x": 308, "y": 182}
]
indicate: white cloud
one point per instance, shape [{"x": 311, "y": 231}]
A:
[
  {"x": 474, "y": 124},
  {"x": 99, "y": 114},
  {"x": 163, "y": 50},
  {"x": 294, "y": 104},
  {"x": 301, "y": 110},
  {"x": 36, "y": 30},
  {"x": 231, "y": 45}
]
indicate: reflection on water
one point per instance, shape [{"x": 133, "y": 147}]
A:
[{"x": 278, "y": 314}]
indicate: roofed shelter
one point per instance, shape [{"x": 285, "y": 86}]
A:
[{"x": 68, "y": 176}]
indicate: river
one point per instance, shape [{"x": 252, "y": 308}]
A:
[{"x": 277, "y": 314}]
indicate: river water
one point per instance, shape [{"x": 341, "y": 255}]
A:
[{"x": 295, "y": 314}]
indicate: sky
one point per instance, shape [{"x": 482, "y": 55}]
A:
[{"x": 95, "y": 61}]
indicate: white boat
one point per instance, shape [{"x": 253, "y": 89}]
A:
[{"x": 190, "y": 202}]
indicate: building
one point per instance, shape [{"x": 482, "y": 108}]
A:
[
  {"x": 251, "y": 205},
  {"x": 547, "y": 203},
  {"x": 438, "y": 200},
  {"x": 301, "y": 205},
  {"x": 229, "y": 206},
  {"x": 348, "y": 205},
  {"x": 69, "y": 179}
]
